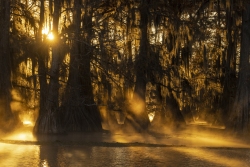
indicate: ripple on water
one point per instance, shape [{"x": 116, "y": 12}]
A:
[{"x": 12, "y": 155}]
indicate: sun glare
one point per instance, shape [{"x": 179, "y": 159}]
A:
[
  {"x": 45, "y": 31},
  {"x": 50, "y": 36}
]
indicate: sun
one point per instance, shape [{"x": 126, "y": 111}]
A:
[{"x": 50, "y": 36}]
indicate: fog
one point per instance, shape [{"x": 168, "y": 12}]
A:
[
  {"x": 117, "y": 130},
  {"x": 195, "y": 144}
]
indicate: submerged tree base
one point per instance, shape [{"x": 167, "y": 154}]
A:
[
  {"x": 49, "y": 123},
  {"x": 81, "y": 118}
]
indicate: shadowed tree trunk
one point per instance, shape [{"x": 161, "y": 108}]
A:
[
  {"x": 48, "y": 120},
  {"x": 41, "y": 67},
  {"x": 80, "y": 113},
  {"x": 240, "y": 112},
  {"x": 86, "y": 90},
  {"x": 138, "y": 110},
  {"x": 41, "y": 61},
  {"x": 6, "y": 114},
  {"x": 172, "y": 108},
  {"x": 129, "y": 81},
  {"x": 229, "y": 73}
]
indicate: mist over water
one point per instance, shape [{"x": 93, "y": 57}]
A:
[
  {"x": 196, "y": 133},
  {"x": 67, "y": 155},
  {"x": 195, "y": 144},
  {"x": 117, "y": 131}
]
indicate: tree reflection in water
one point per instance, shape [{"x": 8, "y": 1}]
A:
[{"x": 73, "y": 155}]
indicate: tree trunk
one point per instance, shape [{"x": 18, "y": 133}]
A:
[
  {"x": 138, "y": 110},
  {"x": 129, "y": 80},
  {"x": 53, "y": 90},
  {"x": 48, "y": 120},
  {"x": 172, "y": 109},
  {"x": 240, "y": 112},
  {"x": 228, "y": 72},
  {"x": 80, "y": 111},
  {"x": 41, "y": 61},
  {"x": 6, "y": 115},
  {"x": 85, "y": 71}
]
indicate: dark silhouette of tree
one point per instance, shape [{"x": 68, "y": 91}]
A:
[
  {"x": 139, "y": 111},
  {"x": 229, "y": 58},
  {"x": 48, "y": 120},
  {"x": 240, "y": 112},
  {"x": 79, "y": 111},
  {"x": 6, "y": 119}
]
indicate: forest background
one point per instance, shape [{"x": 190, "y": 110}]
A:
[{"x": 67, "y": 65}]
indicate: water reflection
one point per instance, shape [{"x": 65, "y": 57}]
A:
[
  {"x": 12, "y": 155},
  {"x": 67, "y": 155},
  {"x": 187, "y": 148},
  {"x": 48, "y": 156}
]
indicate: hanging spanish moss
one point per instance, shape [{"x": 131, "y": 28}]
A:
[{"x": 65, "y": 58}]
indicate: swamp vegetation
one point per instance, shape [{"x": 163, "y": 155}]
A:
[{"x": 69, "y": 65}]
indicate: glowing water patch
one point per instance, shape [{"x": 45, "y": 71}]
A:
[{"x": 44, "y": 163}]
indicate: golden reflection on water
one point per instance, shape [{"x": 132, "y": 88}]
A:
[
  {"x": 210, "y": 156},
  {"x": 203, "y": 141},
  {"x": 44, "y": 163},
  {"x": 196, "y": 145},
  {"x": 12, "y": 155}
]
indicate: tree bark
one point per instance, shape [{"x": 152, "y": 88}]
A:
[
  {"x": 228, "y": 72},
  {"x": 85, "y": 70},
  {"x": 138, "y": 110},
  {"x": 48, "y": 120},
  {"x": 240, "y": 113},
  {"x": 79, "y": 109},
  {"x": 6, "y": 114}
]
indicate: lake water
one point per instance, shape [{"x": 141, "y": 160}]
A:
[
  {"x": 73, "y": 155},
  {"x": 188, "y": 148}
]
